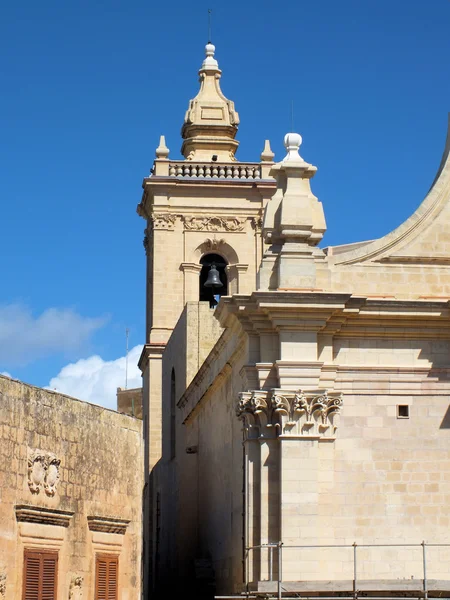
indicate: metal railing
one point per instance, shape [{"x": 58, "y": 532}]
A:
[
  {"x": 281, "y": 547},
  {"x": 215, "y": 170}
]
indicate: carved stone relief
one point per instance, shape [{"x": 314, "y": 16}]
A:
[
  {"x": 210, "y": 245},
  {"x": 2, "y": 585},
  {"x": 43, "y": 471},
  {"x": 301, "y": 414},
  {"x": 257, "y": 223},
  {"x": 163, "y": 221},
  {"x": 214, "y": 223},
  {"x": 76, "y": 588}
]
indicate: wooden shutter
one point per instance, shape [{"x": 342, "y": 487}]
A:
[
  {"x": 40, "y": 575},
  {"x": 106, "y": 577}
]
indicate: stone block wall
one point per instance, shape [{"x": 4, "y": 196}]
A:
[{"x": 70, "y": 481}]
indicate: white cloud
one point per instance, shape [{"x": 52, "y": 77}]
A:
[
  {"x": 25, "y": 337},
  {"x": 96, "y": 380},
  {"x": 6, "y": 374}
]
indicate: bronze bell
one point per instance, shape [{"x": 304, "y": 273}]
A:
[{"x": 213, "y": 278}]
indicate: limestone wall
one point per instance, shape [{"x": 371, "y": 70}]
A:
[{"x": 71, "y": 481}]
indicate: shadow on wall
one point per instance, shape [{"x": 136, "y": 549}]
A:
[{"x": 446, "y": 420}]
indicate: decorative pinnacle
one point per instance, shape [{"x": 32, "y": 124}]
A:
[
  {"x": 210, "y": 62},
  {"x": 162, "y": 151},
  {"x": 267, "y": 154},
  {"x": 292, "y": 143}
]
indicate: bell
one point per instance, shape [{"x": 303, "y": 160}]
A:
[{"x": 213, "y": 278}]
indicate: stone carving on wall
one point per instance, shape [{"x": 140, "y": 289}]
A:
[
  {"x": 257, "y": 223},
  {"x": 43, "y": 471},
  {"x": 76, "y": 588},
  {"x": 301, "y": 414},
  {"x": 212, "y": 245},
  {"x": 2, "y": 585},
  {"x": 214, "y": 223},
  {"x": 148, "y": 234},
  {"x": 163, "y": 221}
]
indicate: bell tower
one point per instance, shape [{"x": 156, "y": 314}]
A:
[{"x": 205, "y": 207}]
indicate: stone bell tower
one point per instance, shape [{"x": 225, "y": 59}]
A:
[{"x": 207, "y": 203}]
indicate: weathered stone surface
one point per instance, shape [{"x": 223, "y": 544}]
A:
[{"x": 99, "y": 459}]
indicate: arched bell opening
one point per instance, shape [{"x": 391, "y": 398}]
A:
[{"x": 214, "y": 275}]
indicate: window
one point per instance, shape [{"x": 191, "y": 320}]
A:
[
  {"x": 40, "y": 575},
  {"x": 106, "y": 577},
  {"x": 402, "y": 411}
]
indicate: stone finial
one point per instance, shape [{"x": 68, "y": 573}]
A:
[
  {"x": 267, "y": 155},
  {"x": 210, "y": 62},
  {"x": 162, "y": 151},
  {"x": 292, "y": 143},
  {"x": 294, "y": 223}
]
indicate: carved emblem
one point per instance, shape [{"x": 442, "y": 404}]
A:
[
  {"x": 2, "y": 584},
  {"x": 163, "y": 221},
  {"x": 43, "y": 471},
  {"x": 209, "y": 245},
  {"x": 214, "y": 223},
  {"x": 76, "y": 588}
]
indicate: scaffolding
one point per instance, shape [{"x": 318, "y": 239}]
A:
[{"x": 283, "y": 594}]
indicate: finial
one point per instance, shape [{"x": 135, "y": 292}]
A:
[
  {"x": 292, "y": 143},
  {"x": 267, "y": 154},
  {"x": 162, "y": 151},
  {"x": 210, "y": 62}
]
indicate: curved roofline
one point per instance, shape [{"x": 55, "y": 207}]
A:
[{"x": 433, "y": 203}]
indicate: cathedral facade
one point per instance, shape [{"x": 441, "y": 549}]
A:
[{"x": 296, "y": 398}]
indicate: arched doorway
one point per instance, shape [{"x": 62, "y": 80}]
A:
[{"x": 212, "y": 294}]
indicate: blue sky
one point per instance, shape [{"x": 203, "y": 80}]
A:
[{"x": 88, "y": 87}]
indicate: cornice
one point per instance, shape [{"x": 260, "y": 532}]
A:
[
  {"x": 42, "y": 515},
  {"x": 107, "y": 524}
]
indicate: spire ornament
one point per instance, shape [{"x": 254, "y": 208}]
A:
[{"x": 211, "y": 121}]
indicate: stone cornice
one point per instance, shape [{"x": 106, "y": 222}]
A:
[
  {"x": 107, "y": 524},
  {"x": 302, "y": 414},
  {"x": 42, "y": 515},
  {"x": 148, "y": 351}
]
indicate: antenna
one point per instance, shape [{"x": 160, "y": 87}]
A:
[
  {"x": 127, "y": 331},
  {"x": 209, "y": 25},
  {"x": 292, "y": 116}
]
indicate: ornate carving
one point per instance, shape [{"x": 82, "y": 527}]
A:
[
  {"x": 76, "y": 588},
  {"x": 214, "y": 223},
  {"x": 43, "y": 471},
  {"x": 257, "y": 223},
  {"x": 305, "y": 414},
  {"x": 2, "y": 584},
  {"x": 148, "y": 234},
  {"x": 211, "y": 245},
  {"x": 163, "y": 221}
]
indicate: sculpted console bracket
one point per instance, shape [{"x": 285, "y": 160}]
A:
[
  {"x": 303, "y": 414},
  {"x": 43, "y": 471}
]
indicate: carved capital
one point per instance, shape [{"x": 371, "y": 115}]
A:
[
  {"x": 310, "y": 414},
  {"x": 43, "y": 471},
  {"x": 216, "y": 223},
  {"x": 148, "y": 235},
  {"x": 163, "y": 221},
  {"x": 257, "y": 223}
]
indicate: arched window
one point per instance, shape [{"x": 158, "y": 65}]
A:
[
  {"x": 172, "y": 415},
  {"x": 212, "y": 294}
]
